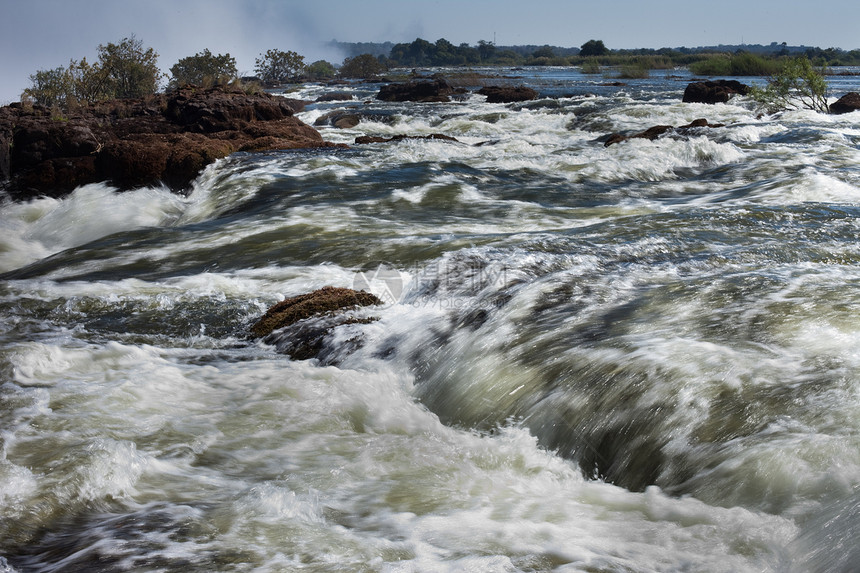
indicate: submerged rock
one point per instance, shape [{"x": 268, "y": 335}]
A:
[
  {"x": 508, "y": 94},
  {"x": 163, "y": 138},
  {"x": 846, "y": 104},
  {"x": 299, "y": 326},
  {"x": 653, "y": 133},
  {"x": 718, "y": 91},
  {"x": 365, "y": 139}
]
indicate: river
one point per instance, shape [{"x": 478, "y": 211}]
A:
[{"x": 642, "y": 357}]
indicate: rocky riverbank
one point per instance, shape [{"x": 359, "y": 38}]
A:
[{"x": 165, "y": 138}]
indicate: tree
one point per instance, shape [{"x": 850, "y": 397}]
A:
[
  {"x": 128, "y": 69},
  {"x": 544, "y": 52},
  {"x": 593, "y": 48},
  {"x": 320, "y": 70},
  {"x": 204, "y": 68},
  {"x": 123, "y": 70},
  {"x": 48, "y": 87},
  {"x": 276, "y": 67},
  {"x": 419, "y": 53},
  {"x": 486, "y": 50},
  {"x": 87, "y": 83},
  {"x": 797, "y": 84},
  {"x": 446, "y": 53},
  {"x": 363, "y": 66}
]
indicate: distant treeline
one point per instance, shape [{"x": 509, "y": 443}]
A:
[{"x": 422, "y": 53}]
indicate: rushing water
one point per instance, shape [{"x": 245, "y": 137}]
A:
[{"x": 637, "y": 358}]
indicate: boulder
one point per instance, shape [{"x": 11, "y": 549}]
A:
[
  {"x": 507, "y": 94},
  {"x": 322, "y": 302},
  {"x": 718, "y": 91},
  {"x": 432, "y": 90},
  {"x": 163, "y": 138},
  {"x": 335, "y": 96},
  {"x": 846, "y": 104},
  {"x": 340, "y": 119}
]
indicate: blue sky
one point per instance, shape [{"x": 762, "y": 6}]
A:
[{"x": 44, "y": 34}]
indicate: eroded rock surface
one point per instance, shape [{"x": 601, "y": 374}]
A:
[{"x": 164, "y": 138}]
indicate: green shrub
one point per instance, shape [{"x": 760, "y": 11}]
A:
[
  {"x": 796, "y": 85},
  {"x": 716, "y": 66},
  {"x": 320, "y": 70},
  {"x": 590, "y": 66},
  {"x": 635, "y": 70},
  {"x": 276, "y": 67},
  {"x": 362, "y": 67},
  {"x": 49, "y": 88},
  {"x": 123, "y": 70},
  {"x": 129, "y": 70},
  {"x": 746, "y": 64},
  {"x": 740, "y": 64},
  {"x": 204, "y": 69}
]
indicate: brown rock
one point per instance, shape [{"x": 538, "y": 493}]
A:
[
  {"x": 434, "y": 90},
  {"x": 335, "y": 96},
  {"x": 340, "y": 119},
  {"x": 846, "y": 104},
  {"x": 324, "y": 301},
  {"x": 164, "y": 138},
  {"x": 718, "y": 91},
  {"x": 507, "y": 94},
  {"x": 653, "y": 133}
]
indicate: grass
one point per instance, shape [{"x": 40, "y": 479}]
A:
[{"x": 741, "y": 64}]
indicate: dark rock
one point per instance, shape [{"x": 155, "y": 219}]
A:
[
  {"x": 507, "y": 94},
  {"x": 653, "y": 133},
  {"x": 718, "y": 91},
  {"x": 5, "y": 149},
  {"x": 434, "y": 90},
  {"x": 164, "y": 138},
  {"x": 365, "y": 139},
  {"x": 306, "y": 338},
  {"x": 846, "y": 104},
  {"x": 340, "y": 119},
  {"x": 335, "y": 96},
  {"x": 321, "y": 302},
  {"x": 347, "y": 121}
]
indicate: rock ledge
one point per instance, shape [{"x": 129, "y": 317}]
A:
[{"x": 164, "y": 138}]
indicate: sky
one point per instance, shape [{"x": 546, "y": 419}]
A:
[{"x": 45, "y": 34}]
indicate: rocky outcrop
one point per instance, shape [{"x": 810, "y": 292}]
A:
[
  {"x": 299, "y": 326},
  {"x": 164, "y": 138},
  {"x": 719, "y": 91},
  {"x": 507, "y": 94},
  {"x": 846, "y": 104},
  {"x": 365, "y": 139},
  {"x": 432, "y": 90},
  {"x": 653, "y": 133}
]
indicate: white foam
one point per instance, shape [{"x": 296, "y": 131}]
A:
[{"x": 44, "y": 226}]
